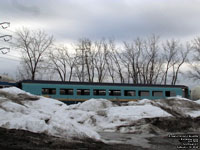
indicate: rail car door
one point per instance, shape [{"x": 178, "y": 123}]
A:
[{"x": 186, "y": 93}]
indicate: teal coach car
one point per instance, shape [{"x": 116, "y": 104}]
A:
[{"x": 74, "y": 92}]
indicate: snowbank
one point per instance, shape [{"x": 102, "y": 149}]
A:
[
  {"x": 41, "y": 116},
  {"x": 136, "y": 112},
  {"x": 198, "y": 101},
  {"x": 178, "y": 107},
  {"x": 14, "y": 90},
  {"x": 139, "y": 102},
  {"x": 84, "y": 120},
  {"x": 95, "y": 105},
  {"x": 123, "y": 118}
]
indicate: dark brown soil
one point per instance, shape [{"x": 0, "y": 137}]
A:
[{"x": 24, "y": 140}]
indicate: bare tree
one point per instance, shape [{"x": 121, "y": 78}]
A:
[
  {"x": 101, "y": 54},
  {"x": 182, "y": 58},
  {"x": 62, "y": 62},
  {"x": 175, "y": 55},
  {"x": 116, "y": 57},
  {"x": 142, "y": 60},
  {"x": 132, "y": 53},
  {"x": 33, "y": 45},
  {"x": 151, "y": 55},
  {"x": 170, "y": 53},
  {"x": 195, "y": 62},
  {"x": 85, "y": 70},
  {"x": 110, "y": 66}
]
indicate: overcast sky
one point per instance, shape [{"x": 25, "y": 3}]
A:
[
  {"x": 119, "y": 19},
  {"x": 69, "y": 20}
]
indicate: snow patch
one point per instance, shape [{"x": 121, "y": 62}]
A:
[
  {"x": 136, "y": 112},
  {"x": 95, "y": 104},
  {"x": 14, "y": 90},
  {"x": 198, "y": 101}
]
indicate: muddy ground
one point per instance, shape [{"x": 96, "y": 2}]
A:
[
  {"x": 12, "y": 139},
  {"x": 147, "y": 134},
  {"x": 161, "y": 133},
  {"x": 25, "y": 140}
]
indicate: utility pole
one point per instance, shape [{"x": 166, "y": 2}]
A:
[{"x": 6, "y": 38}]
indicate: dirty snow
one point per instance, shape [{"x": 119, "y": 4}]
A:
[
  {"x": 136, "y": 112},
  {"x": 198, "y": 101},
  {"x": 95, "y": 104},
  {"x": 41, "y": 116},
  {"x": 86, "y": 119},
  {"x": 194, "y": 114}
]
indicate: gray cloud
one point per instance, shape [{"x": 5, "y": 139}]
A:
[
  {"x": 70, "y": 20},
  {"x": 122, "y": 19},
  {"x": 19, "y": 5},
  {"x": 128, "y": 19}
]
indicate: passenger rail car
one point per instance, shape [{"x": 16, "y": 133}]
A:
[
  {"x": 6, "y": 84},
  {"x": 74, "y": 92}
]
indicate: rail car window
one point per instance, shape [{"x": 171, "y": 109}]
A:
[
  {"x": 66, "y": 91},
  {"x": 157, "y": 93},
  {"x": 97, "y": 92},
  {"x": 48, "y": 91},
  {"x": 167, "y": 93},
  {"x": 114, "y": 93},
  {"x": 173, "y": 93},
  {"x": 144, "y": 93},
  {"x": 129, "y": 93},
  {"x": 170, "y": 93},
  {"x": 83, "y": 92}
]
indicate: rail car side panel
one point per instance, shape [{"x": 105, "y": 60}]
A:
[{"x": 140, "y": 92}]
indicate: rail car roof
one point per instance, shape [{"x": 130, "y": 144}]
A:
[{"x": 97, "y": 83}]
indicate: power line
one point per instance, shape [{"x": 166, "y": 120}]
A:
[
  {"x": 13, "y": 56},
  {"x": 6, "y": 38},
  {"x": 10, "y": 59},
  {"x": 5, "y": 25},
  {"x": 4, "y": 50},
  {"x": 3, "y": 41}
]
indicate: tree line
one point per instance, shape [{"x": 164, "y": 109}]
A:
[{"x": 140, "y": 61}]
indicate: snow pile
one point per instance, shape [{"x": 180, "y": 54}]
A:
[
  {"x": 14, "y": 90},
  {"x": 198, "y": 101},
  {"x": 137, "y": 117},
  {"x": 179, "y": 107},
  {"x": 136, "y": 112},
  {"x": 21, "y": 110},
  {"x": 108, "y": 117},
  {"x": 103, "y": 115},
  {"x": 41, "y": 116},
  {"x": 140, "y": 102},
  {"x": 195, "y": 93},
  {"x": 95, "y": 105},
  {"x": 120, "y": 116}
]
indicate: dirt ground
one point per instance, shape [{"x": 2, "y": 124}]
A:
[
  {"x": 25, "y": 140},
  {"x": 151, "y": 134}
]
